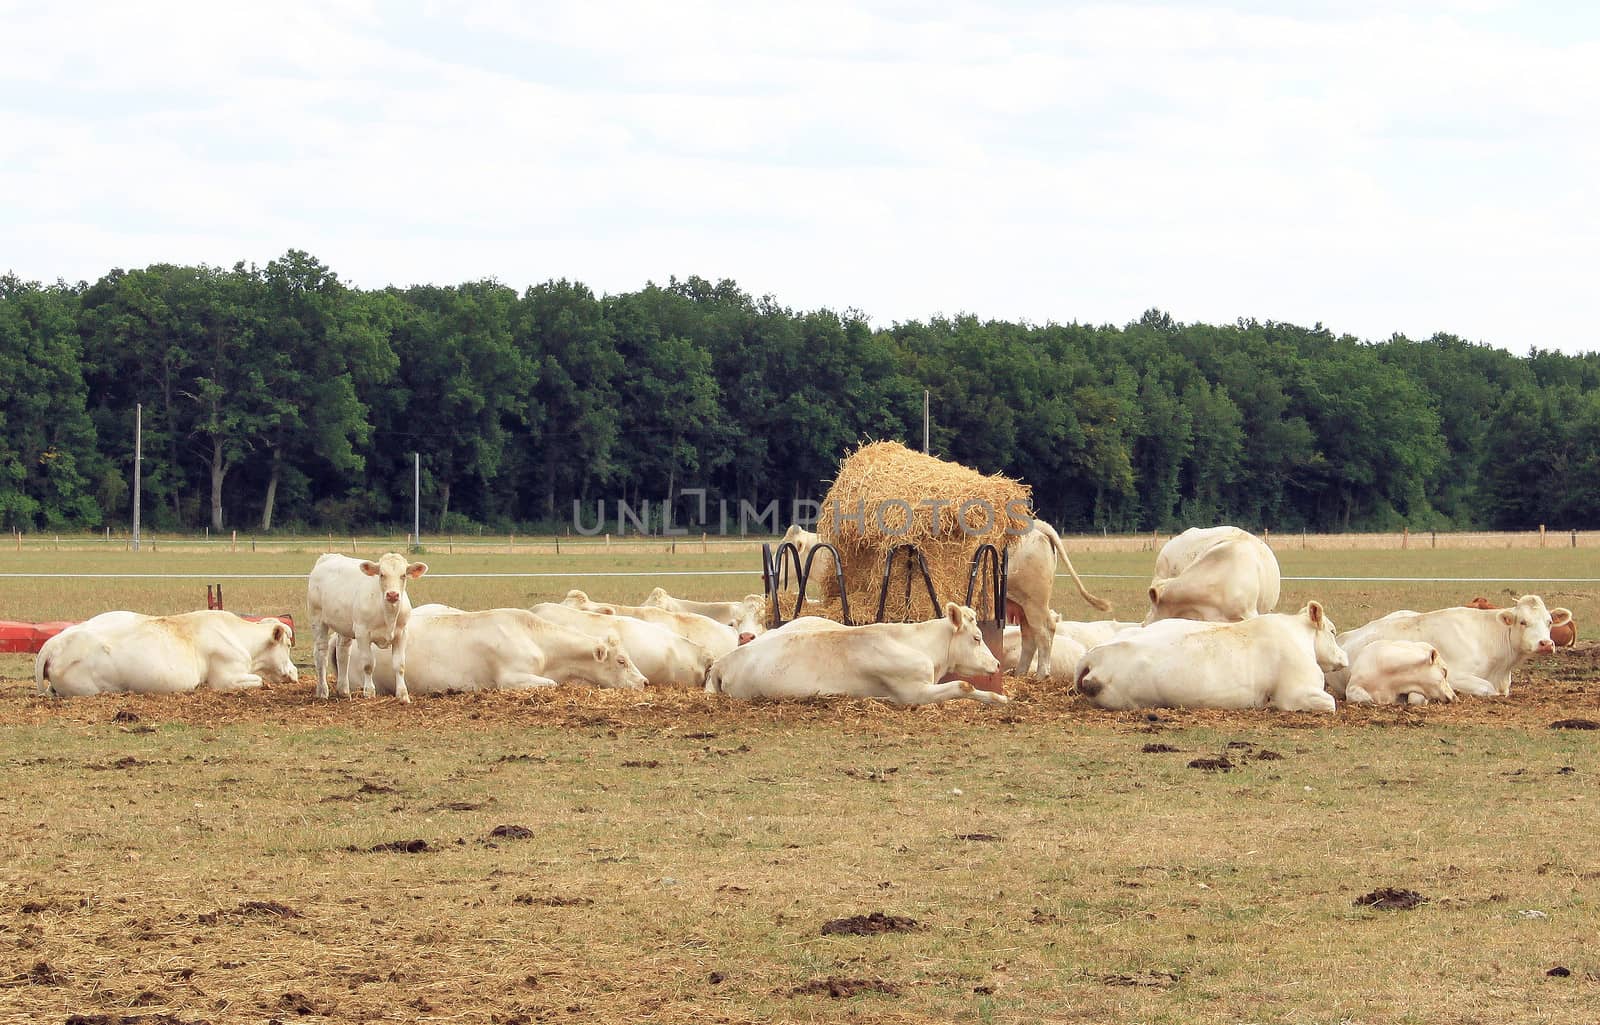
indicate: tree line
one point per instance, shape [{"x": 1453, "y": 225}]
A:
[{"x": 280, "y": 396}]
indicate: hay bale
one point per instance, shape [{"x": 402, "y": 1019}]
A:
[{"x": 886, "y": 495}]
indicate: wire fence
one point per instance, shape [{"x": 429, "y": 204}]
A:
[{"x": 706, "y": 544}]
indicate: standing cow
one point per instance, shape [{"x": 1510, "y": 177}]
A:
[
  {"x": 1030, "y": 577},
  {"x": 365, "y": 602},
  {"x": 1481, "y": 647},
  {"x": 127, "y": 651},
  {"x": 1214, "y": 574}
]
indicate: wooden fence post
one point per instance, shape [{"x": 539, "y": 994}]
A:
[
  {"x": 1541, "y": 535},
  {"x": 1405, "y": 537}
]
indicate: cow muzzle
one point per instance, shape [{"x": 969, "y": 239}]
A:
[
  {"x": 391, "y": 596},
  {"x": 1547, "y": 647},
  {"x": 746, "y": 638}
]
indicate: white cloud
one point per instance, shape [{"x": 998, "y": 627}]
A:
[{"x": 1378, "y": 168}]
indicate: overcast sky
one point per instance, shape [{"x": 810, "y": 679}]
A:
[{"x": 1378, "y": 167}]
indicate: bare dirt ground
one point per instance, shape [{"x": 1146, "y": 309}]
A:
[{"x": 583, "y": 855}]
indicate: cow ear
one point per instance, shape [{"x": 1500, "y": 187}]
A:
[
  {"x": 1560, "y": 616},
  {"x": 1155, "y": 594},
  {"x": 600, "y": 653},
  {"x": 952, "y": 612},
  {"x": 1508, "y": 617},
  {"x": 416, "y": 569},
  {"x": 1433, "y": 656},
  {"x": 369, "y": 568},
  {"x": 279, "y": 632},
  {"x": 1314, "y": 610}
]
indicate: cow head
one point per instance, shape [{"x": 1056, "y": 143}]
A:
[
  {"x": 1528, "y": 622},
  {"x": 613, "y": 667},
  {"x": 1435, "y": 678},
  {"x": 392, "y": 573},
  {"x": 576, "y": 599},
  {"x": 969, "y": 656},
  {"x": 751, "y": 617},
  {"x": 659, "y": 599},
  {"x": 1182, "y": 598},
  {"x": 1480, "y": 603},
  {"x": 274, "y": 663},
  {"x": 1330, "y": 657}
]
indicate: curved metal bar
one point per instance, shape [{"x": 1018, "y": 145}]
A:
[
  {"x": 998, "y": 562},
  {"x": 774, "y": 569},
  {"x": 912, "y": 552}
]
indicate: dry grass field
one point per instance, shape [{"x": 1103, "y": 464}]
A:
[{"x": 577, "y": 855}]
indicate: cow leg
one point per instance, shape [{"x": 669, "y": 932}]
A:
[
  {"x": 320, "y": 655},
  {"x": 339, "y": 664},
  {"x": 1477, "y": 686},
  {"x": 931, "y": 693},
  {"x": 524, "y": 681},
  {"x": 245, "y": 681},
  {"x": 397, "y": 654},
  {"x": 1356, "y": 694},
  {"x": 1045, "y": 643},
  {"x": 365, "y": 657},
  {"x": 1307, "y": 701}
]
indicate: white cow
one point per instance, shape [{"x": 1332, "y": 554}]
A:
[
  {"x": 1030, "y": 577},
  {"x": 1064, "y": 654},
  {"x": 365, "y": 602},
  {"x": 1091, "y": 633},
  {"x": 822, "y": 582},
  {"x": 1214, "y": 574},
  {"x": 1277, "y": 659},
  {"x": 127, "y": 651},
  {"x": 901, "y": 662},
  {"x": 1388, "y": 672},
  {"x": 1481, "y": 647},
  {"x": 748, "y": 617},
  {"x": 708, "y": 633},
  {"x": 502, "y": 649},
  {"x": 666, "y": 659}
]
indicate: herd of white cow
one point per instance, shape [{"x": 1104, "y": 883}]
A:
[{"x": 1210, "y": 639}]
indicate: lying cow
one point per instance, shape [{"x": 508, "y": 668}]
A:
[
  {"x": 901, "y": 662},
  {"x": 708, "y": 633},
  {"x": 502, "y": 649},
  {"x": 665, "y": 659},
  {"x": 1390, "y": 672},
  {"x": 1064, "y": 654},
  {"x": 1214, "y": 574},
  {"x": 747, "y": 617},
  {"x": 1091, "y": 633},
  {"x": 1277, "y": 660},
  {"x": 1030, "y": 578},
  {"x": 1562, "y": 635},
  {"x": 127, "y": 651},
  {"x": 364, "y": 602},
  {"x": 1481, "y": 647}
]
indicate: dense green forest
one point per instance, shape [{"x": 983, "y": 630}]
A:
[{"x": 279, "y": 397}]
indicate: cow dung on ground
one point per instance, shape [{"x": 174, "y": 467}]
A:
[
  {"x": 1390, "y": 899},
  {"x": 869, "y": 925}
]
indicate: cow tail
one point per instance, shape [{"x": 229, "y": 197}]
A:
[
  {"x": 41, "y": 674},
  {"x": 714, "y": 678},
  {"x": 1087, "y": 685},
  {"x": 1061, "y": 550}
]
